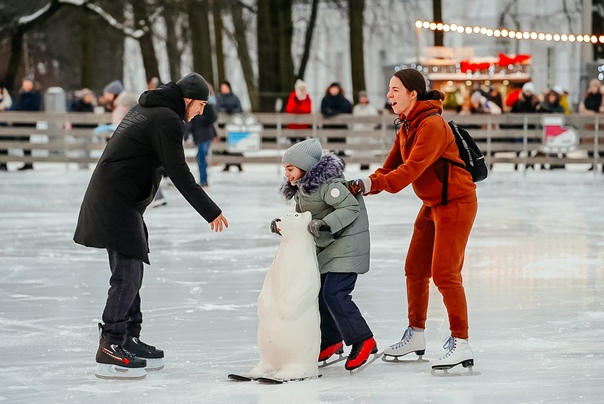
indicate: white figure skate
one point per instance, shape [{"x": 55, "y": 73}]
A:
[
  {"x": 412, "y": 341},
  {"x": 457, "y": 352}
]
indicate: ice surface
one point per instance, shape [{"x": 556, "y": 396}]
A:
[{"x": 534, "y": 276}]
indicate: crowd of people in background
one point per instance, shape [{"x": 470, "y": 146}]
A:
[{"x": 481, "y": 99}]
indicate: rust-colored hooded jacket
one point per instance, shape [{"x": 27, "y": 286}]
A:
[{"x": 417, "y": 156}]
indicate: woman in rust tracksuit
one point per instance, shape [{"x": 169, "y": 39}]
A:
[{"x": 423, "y": 148}]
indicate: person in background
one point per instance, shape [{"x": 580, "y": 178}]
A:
[
  {"x": 513, "y": 95},
  {"x": 110, "y": 93},
  {"x": 203, "y": 132},
  {"x": 228, "y": 103},
  {"x": 563, "y": 94},
  {"x": 85, "y": 101},
  {"x": 425, "y": 151},
  {"x": 341, "y": 230},
  {"x": 298, "y": 102},
  {"x": 528, "y": 102},
  {"x": 6, "y": 103},
  {"x": 29, "y": 99},
  {"x": 494, "y": 96},
  {"x": 364, "y": 108},
  {"x": 149, "y": 138},
  {"x": 551, "y": 105},
  {"x": 334, "y": 103},
  {"x": 592, "y": 104}
]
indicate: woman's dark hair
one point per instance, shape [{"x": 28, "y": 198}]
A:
[
  {"x": 414, "y": 80},
  {"x": 335, "y": 84}
]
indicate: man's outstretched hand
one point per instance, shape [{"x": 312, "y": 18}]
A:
[{"x": 219, "y": 224}]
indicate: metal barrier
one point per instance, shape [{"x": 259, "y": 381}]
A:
[{"x": 507, "y": 138}]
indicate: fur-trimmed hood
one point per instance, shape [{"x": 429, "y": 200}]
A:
[{"x": 329, "y": 167}]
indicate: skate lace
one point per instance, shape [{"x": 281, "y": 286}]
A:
[
  {"x": 121, "y": 351},
  {"x": 404, "y": 339},
  {"x": 147, "y": 346},
  {"x": 449, "y": 346},
  {"x": 356, "y": 349}
]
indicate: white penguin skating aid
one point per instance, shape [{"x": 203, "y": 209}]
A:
[
  {"x": 457, "y": 352},
  {"x": 412, "y": 341},
  {"x": 288, "y": 308}
]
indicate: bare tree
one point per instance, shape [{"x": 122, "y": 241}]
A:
[
  {"x": 32, "y": 20},
  {"x": 312, "y": 22},
  {"x": 240, "y": 37},
  {"x": 356, "y": 9},
  {"x": 201, "y": 44},
  {"x": 437, "y": 11},
  {"x": 597, "y": 23},
  {"x": 275, "y": 64},
  {"x": 140, "y": 11},
  {"x": 218, "y": 49}
]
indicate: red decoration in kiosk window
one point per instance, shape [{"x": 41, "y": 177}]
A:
[
  {"x": 505, "y": 60},
  {"x": 466, "y": 66}
]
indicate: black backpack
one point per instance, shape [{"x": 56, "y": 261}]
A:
[{"x": 471, "y": 155}]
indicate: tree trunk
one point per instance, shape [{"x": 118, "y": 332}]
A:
[
  {"x": 356, "y": 10},
  {"x": 141, "y": 19},
  {"x": 437, "y": 11},
  {"x": 174, "y": 52},
  {"x": 597, "y": 23},
  {"x": 275, "y": 66},
  {"x": 243, "y": 53},
  {"x": 218, "y": 50},
  {"x": 285, "y": 36},
  {"x": 86, "y": 58},
  {"x": 312, "y": 22},
  {"x": 201, "y": 44}
]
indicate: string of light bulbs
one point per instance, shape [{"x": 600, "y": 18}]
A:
[{"x": 506, "y": 33}]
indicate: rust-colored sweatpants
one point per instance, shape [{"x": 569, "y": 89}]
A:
[{"x": 437, "y": 248}]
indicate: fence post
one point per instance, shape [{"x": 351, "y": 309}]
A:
[
  {"x": 55, "y": 102},
  {"x": 525, "y": 141},
  {"x": 596, "y": 148}
]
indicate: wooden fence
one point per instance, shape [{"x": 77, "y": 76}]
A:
[{"x": 507, "y": 138}]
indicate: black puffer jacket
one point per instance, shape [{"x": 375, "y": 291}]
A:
[{"x": 125, "y": 180}]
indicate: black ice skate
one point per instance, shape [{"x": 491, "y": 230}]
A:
[
  {"x": 114, "y": 362},
  {"x": 154, "y": 356}
]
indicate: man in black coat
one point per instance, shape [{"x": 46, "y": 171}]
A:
[{"x": 147, "y": 142}]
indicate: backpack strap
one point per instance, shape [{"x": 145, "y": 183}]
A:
[{"x": 446, "y": 162}]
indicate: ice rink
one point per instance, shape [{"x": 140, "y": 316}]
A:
[{"x": 534, "y": 278}]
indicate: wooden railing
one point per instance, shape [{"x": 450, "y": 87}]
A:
[{"x": 507, "y": 138}]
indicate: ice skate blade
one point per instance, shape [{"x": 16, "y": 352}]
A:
[
  {"x": 443, "y": 371},
  {"x": 327, "y": 362},
  {"x": 376, "y": 356},
  {"x": 240, "y": 377},
  {"x": 396, "y": 359},
  {"x": 114, "y": 372},
  {"x": 277, "y": 380},
  {"x": 154, "y": 364}
]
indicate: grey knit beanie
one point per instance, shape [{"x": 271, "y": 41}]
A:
[
  {"x": 194, "y": 86},
  {"x": 115, "y": 87},
  {"x": 304, "y": 154}
]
